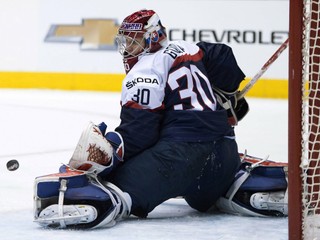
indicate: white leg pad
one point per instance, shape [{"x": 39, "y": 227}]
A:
[
  {"x": 229, "y": 206},
  {"x": 72, "y": 215},
  {"x": 270, "y": 201}
]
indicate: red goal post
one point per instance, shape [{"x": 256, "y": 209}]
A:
[{"x": 304, "y": 120}]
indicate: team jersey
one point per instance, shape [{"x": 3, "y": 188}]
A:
[{"x": 168, "y": 95}]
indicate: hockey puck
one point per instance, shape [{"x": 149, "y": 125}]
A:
[{"x": 12, "y": 165}]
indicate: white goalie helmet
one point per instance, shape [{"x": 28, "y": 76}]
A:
[{"x": 140, "y": 33}]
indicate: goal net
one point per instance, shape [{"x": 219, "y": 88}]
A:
[{"x": 304, "y": 120}]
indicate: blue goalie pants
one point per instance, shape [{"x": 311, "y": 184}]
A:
[{"x": 200, "y": 172}]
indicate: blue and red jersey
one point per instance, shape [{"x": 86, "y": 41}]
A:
[{"x": 168, "y": 95}]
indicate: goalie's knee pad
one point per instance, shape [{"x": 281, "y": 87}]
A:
[
  {"x": 96, "y": 152},
  {"x": 72, "y": 199},
  {"x": 259, "y": 189}
]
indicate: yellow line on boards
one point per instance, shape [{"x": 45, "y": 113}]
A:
[
  {"x": 264, "y": 88},
  {"x": 268, "y": 88},
  {"x": 63, "y": 81}
]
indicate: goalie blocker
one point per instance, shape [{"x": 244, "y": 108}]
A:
[{"x": 218, "y": 59}]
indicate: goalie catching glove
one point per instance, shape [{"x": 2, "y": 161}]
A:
[{"x": 97, "y": 152}]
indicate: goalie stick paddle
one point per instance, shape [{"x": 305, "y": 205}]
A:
[{"x": 274, "y": 57}]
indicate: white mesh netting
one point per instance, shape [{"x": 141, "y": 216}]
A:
[{"x": 311, "y": 121}]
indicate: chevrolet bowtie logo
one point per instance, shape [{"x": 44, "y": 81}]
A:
[{"x": 92, "y": 34}]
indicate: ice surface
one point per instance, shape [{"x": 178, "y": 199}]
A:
[{"x": 40, "y": 129}]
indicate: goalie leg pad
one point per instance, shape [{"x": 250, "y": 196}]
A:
[
  {"x": 71, "y": 215},
  {"x": 259, "y": 189},
  {"x": 73, "y": 199},
  {"x": 270, "y": 201}
]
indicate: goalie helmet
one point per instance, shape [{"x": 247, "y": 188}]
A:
[{"x": 140, "y": 33}]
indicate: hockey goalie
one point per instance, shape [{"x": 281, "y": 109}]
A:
[{"x": 179, "y": 108}]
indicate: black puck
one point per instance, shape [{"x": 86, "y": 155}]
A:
[{"x": 12, "y": 165}]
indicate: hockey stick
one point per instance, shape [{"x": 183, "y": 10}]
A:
[{"x": 250, "y": 84}]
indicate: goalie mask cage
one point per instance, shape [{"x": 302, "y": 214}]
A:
[{"x": 304, "y": 120}]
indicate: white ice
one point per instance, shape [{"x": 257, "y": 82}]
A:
[{"x": 40, "y": 129}]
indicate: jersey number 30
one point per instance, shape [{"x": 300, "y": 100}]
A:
[
  {"x": 142, "y": 96},
  {"x": 194, "y": 88}
]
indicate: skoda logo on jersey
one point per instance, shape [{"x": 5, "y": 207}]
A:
[
  {"x": 144, "y": 81},
  {"x": 91, "y": 34}
]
